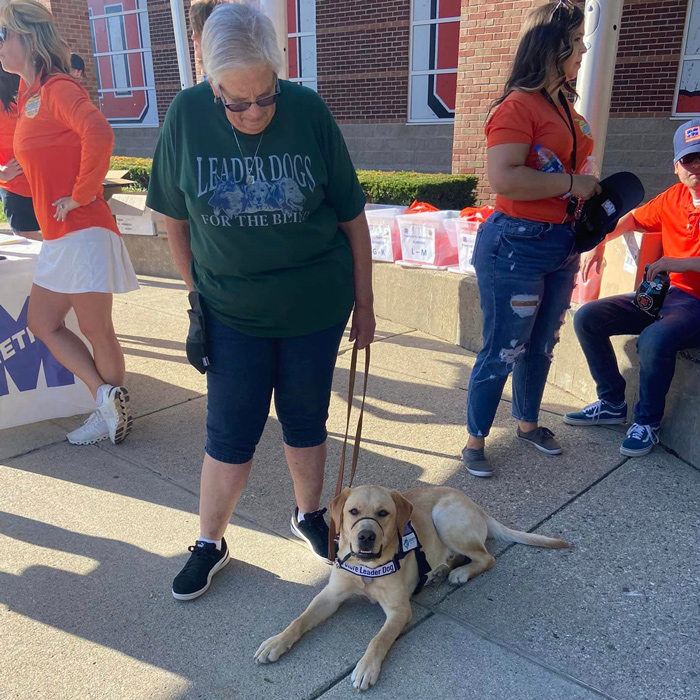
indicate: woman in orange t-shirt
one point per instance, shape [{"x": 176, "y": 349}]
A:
[
  {"x": 14, "y": 189},
  {"x": 63, "y": 145},
  {"x": 525, "y": 257}
]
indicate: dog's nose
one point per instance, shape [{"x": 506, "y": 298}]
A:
[{"x": 367, "y": 537}]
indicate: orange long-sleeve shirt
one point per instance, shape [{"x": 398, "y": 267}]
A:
[
  {"x": 8, "y": 124},
  {"x": 63, "y": 143}
]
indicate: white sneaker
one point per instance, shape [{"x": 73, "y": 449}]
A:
[
  {"x": 91, "y": 431},
  {"x": 114, "y": 409}
]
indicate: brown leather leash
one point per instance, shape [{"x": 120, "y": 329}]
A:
[{"x": 356, "y": 442}]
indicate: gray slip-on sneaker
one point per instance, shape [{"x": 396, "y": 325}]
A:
[
  {"x": 476, "y": 463},
  {"x": 543, "y": 439}
]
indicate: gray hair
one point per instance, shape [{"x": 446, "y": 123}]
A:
[{"x": 238, "y": 35}]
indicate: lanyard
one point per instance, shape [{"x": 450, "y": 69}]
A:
[{"x": 569, "y": 121}]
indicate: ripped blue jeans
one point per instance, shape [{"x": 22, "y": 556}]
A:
[{"x": 526, "y": 272}]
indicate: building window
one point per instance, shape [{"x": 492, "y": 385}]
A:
[
  {"x": 687, "y": 100},
  {"x": 121, "y": 43},
  {"x": 434, "y": 53},
  {"x": 301, "y": 42}
]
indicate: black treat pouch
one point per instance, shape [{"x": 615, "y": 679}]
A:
[
  {"x": 650, "y": 296},
  {"x": 196, "y": 344}
]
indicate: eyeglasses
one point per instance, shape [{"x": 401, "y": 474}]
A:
[
  {"x": 244, "y": 106},
  {"x": 689, "y": 159}
]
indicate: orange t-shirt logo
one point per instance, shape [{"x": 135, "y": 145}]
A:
[{"x": 31, "y": 109}]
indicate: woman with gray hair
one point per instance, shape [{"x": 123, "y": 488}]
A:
[{"x": 265, "y": 220}]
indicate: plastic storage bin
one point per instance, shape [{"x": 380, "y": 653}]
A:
[
  {"x": 429, "y": 239},
  {"x": 466, "y": 240},
  {"x": 384, "y": 233}
]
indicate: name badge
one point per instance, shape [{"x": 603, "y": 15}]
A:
[{"x": 31, "y": 109}]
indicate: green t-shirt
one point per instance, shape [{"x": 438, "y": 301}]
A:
[{"x": 269, "y": 258}]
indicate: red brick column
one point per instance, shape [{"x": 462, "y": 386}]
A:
[{"x": 488, "y": 37}]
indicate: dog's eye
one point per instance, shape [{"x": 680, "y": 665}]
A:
[
  {"x": 382, "y": 513},
  {"x": 354, "y": 511}
]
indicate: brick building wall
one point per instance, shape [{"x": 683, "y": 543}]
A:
[
  {"x": 362, "y": 57},
  {"x": 165, "y": 66},
  {"x": 73, "y": 25},
  {"x": 651, "y": 35}
]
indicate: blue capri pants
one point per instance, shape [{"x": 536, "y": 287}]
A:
[{"x": 244, "y": 372}]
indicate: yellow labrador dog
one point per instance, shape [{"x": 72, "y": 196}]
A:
[{"x": 391, "y": 544}]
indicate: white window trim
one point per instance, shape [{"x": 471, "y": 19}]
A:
[
  {"x": 683, "y": 59},
  {"x": 437, "y": 71},
  {"x": 299, "y": 35}
]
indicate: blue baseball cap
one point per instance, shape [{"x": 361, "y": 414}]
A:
[{"x": 686, "y": 139}]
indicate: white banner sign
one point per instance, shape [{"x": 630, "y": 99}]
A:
[{"x": 34, "y": 386}]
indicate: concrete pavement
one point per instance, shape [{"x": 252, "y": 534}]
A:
[{"x": 91, "y": 537}]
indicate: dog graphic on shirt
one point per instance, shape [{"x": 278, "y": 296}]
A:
[{"x": 232, "y": 199}]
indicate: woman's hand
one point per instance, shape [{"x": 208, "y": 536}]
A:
[
  {"x": 585, "y": 186},
  {"x": 363, "y": 326},
  {"x": 666, "y": 264},
  {"x": 10, "y": 170},
  {"x": 63, "y": 206},
  {"x": 590, "y": 259}
]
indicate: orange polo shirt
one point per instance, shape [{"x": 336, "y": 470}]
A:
[
  {"x": 8, "y": 124},
  {"x": 526, "y": 117},
  {"x": 673, "y": 213},
  {"x": 64, "y": 143}
]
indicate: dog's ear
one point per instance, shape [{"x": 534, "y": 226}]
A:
[
  {"x": 404, "y": 508},
  {"x": 337, "y": 505}
]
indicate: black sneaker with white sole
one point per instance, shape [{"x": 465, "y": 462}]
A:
[
  {"x": 195, "y": 577},
  {"x": 314, "y": 531}
]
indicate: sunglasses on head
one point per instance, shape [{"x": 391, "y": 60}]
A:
[
  {"x": 244, "y": 106},
  {"x": 690, "y": 158}
]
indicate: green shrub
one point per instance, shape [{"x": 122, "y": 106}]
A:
[
  {"x": 442, "y": 191},
  {"x": 139, "y": 170}
]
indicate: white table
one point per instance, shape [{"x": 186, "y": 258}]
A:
[{"x": 33, "y": 385}]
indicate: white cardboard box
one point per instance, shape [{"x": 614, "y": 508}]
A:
[{"x": 132, "y": 215}]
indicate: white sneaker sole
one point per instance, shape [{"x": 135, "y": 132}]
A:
[
  {"x": 120, "y": 421},
  {"x": 300, "y": 535},
  {"x": 602, "y": 421},
  {"x": 635, "y": 453},
  {"x": 557, "y": 451},
  {"x": 94, "y": 441},
  {"x": 480, "y": 472},
  {"x": 215, "y": 569}
]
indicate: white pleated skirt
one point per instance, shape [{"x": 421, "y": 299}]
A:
[{"x": 91, "y": 260}]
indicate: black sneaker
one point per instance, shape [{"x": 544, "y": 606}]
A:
[
  {"x": 195, "y": 577},
  {"x": 314, "y": 531}
]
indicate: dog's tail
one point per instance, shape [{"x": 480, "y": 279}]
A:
[{"x": 505, "y": 534}]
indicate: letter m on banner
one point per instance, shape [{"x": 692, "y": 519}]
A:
[{"x": 22, "y": 356}]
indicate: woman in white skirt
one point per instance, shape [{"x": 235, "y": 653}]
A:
[{"x": 64, "y": 144}]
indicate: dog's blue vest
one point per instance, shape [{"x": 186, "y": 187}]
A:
[{"x": 408, "y": 543}]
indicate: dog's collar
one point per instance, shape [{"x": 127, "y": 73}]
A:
[{"x": 408, "y": 543}]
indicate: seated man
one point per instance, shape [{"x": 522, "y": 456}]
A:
[{"x": 676, "y": 213}]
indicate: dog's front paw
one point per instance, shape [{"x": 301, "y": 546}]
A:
[
  {"x": 366, "y": 673},
  {"x": 271, "y": 649},
  {"x": 458, "y": 576}
]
